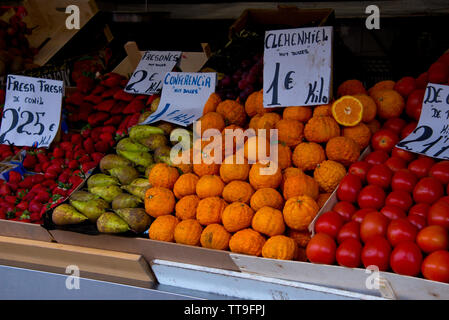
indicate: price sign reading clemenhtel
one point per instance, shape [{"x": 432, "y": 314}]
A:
[
  {"x": 297, "y": 67},
  {"x": 32, "y": 111},
  {"x": 431, "y": 136}
]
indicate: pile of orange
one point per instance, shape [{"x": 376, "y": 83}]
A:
[{"x": 235, "y": 205}]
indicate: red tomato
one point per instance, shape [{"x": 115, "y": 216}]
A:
[
  {"x": 395, "y": 164},
  {"x": 436, "y": 266},
  {"x": 401, "y": 230},
  {"x": 374, "y": 224},
  {"x": 445, "y": 199},
  {"x": 422, "y": 80},
  {"x": 428, "y": 190},
  {"x": 406, "y": 259},
  {"x": 433, "y": 238},
  {"x": 384, "y": 139},
  {"x": 345, "y": 209},
  {"x": 439, "y": 214},
  {"x": 400, "y": 199},
  {"x": 360, "y": 169},
  {"x": 440, "y": 171},
  {"x": 349, "y": 188},
  {"x": 392, "y": 212},
  {"x": 349, "y": 253},
  {"x": 408, "y": 129},
  {"x": 350, "y": 230},
  {"x": 420, "y": 209},
  {"x": 321, "y": 249},
  {"x": 377, "y": 157},
  {"x": 395, "y": 125},
  {"x": 405, "y": 86},
  {"x": 421, "y": 166},
  {"x": 330, "y": 223},
  {"x": 359, "y": 215},
  {"x": 379, "y": 175},
  {"x": 403, "y": 180},
  {"x": 377, "y": 252},
  {"x": 371, "y": 197},
  {"x": 414, "y": 102},
  {"x": 417, "y": 221},
  {"x": 403, "y": 154},
  {"x": 438, "y": 73}
]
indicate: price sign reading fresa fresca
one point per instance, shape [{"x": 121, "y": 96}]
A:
[
  {"x": 431, "y": 136},
  {"x": 297, "y": 67},
  {"x": 32, "y": 111}
]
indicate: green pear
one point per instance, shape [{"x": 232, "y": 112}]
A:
[
  {"x": 126, "y": 144},
  {"x": 136, "y": 191},
  {"x": 139, "y": 132},
  {"x": 148, "y": 170},
  {"x": 101, "y": 180},
  {"x": 137, "y": 219},
  {"x": 141, "y": 182},
  {"x": 124, "y": 174},
  {"x": 66, "y": 214},
  {"x": 110, "y": 161},
  {"x": 107, "y": 193},
  {"x": 138, "y": 158},
  {"x": 126, "y": 200},
  {"x": 83, "y": 196},
  {"x": 109, "y": 222},
  {"x": 154, "y": 141},
  {"x": 91, "y": 209},
  {"x": 162, "y": 154}
]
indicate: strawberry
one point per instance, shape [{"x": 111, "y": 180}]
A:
[
  {"x": 102, "y": 146},
  {"x": 94, "y": 99},
  {"x": 85, "y": 167},
  {"x": 23, "y": 205},
  {"x": 37, "y": 178},
  {"x": 13, "y": 186},
  {"x": 118, "y": 107},
  {"x": 85, "y": 84},
  {"x": 50, "y": 175},
  {"x": 35, "y": 206},
  {"x": 73, "y": 164},
  {"x": 75, "y": 180},
  {"x": 88, "y": 145},
  {"x": 58, "y": 152},
  {"x": 109, "y": 93},
  {"x": 134, "y": 106},
  {"x": 133, "y": 120},
  {"x": 42, "y": 196},
  {"x": 122, "y": 95},
  {"x": 30, "y": 161},
  {"x": 85, "y": 132},
  {"x": 112, "y": 80},
  {"x": 79, "y": 153},
  {"x": 27, "y": 182},
  {"x": 97, "y": 118},
  {"x": 84, "y": 159},
  {"x": 35, "y": 216},
  {"x": 106, "y": 129},
  {"x": 106, "y": 105},
  {"x": 98, "y": 90},
  {"x": 11, "y": 199},
  {"x": 64, "y": 178},
  {"x": 97, "y": 156},
  {"x": 14, "y": 177},
  {"x": 5, "y": 190},
  {"x": 106, "y": 137},
  {"x": 76, "y": 139},
  {"x": 66, "y": 145},
  {"x": 114, "y": 120},
  {"x": 55, "y": 167}
]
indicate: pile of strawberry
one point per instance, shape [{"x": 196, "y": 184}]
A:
[{"x": 104, "y": 112}]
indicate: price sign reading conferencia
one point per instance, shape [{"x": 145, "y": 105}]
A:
[
  {"x": 32, "y": 111},
  {"x": 431, "y": 136},
  {"x": 297, "y": 67},
  {"x": 147, "y": 78},
  {"x": 183, "y": 97}
]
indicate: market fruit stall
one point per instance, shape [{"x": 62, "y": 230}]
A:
[{"x": 347, "y": 212}]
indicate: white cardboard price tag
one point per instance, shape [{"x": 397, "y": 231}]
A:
[
  {"x": 431, "y": 136},
  {"x": 183, "y": 97},
  {"x": 147, "y": 78},
  {"x": 297, "y": 67},
  {"x": 32, "y": 111}
]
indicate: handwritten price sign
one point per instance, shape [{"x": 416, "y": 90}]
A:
[
  {"x": 32, "y": 111},
  {"x": 184, "y": 95},
  {"x": 147, "y": 78},
  {"x": 431, "y": 136},
  {"x": 297, "y": 67}
]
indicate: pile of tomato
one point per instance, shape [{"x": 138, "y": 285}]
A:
[{"x": 392, "y": 212}]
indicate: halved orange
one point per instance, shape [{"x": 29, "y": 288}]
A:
[{"x": 347, "y": 111}]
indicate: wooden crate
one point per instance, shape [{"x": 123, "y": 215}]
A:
[{"x": 48, "y": 21}]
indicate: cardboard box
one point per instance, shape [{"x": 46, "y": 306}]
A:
[{"x": 286, "y": 16}]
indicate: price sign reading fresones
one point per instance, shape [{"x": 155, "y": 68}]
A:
[
  {"x": 297, "y": 67},
  {"x": 431, "y": 136},
  {"x": 183, "y": 97},
  {"x": 32, "y": 111},
  {"x": 147, "y": 78}
]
